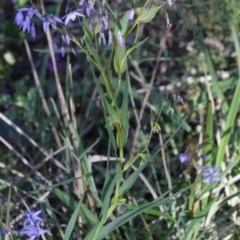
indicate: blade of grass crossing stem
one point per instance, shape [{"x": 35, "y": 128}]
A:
[
  {"x": 130, "y": 215},
  {"x": 72, "y": 221},
  {"x": 84, "y": 212},
  {"x": 131, "y": 180},
  {"x": 209, "y": 133},
  {"x": 233, "y": 108}
]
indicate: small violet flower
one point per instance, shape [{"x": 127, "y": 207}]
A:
[
  {"x": 72, "y": 16},
  {"x": 63, "y": 51},
  {"x": 31, "y": 225},
  {"x": 68, "y": 40},
  {"x": 120, "y": 39},
  {"x": 210, "y": 174},
  {"x": 25, "y": 25},
  {"x": 51, "y": 19},
  {"x": 110, "y": 39},
  {"x": 89, "y": 7},
  {"x": 183, "y": 157},
  {"x": 32, "y": 218},
  {"x": 131, "y": 15},
  {"x": 33, "y": 31},
  {"x": 170, "y": 3},
  {"x": 19, "y": 18},
  {"x": 81, "y": 2},
  {"x": 32, "y": 231}
]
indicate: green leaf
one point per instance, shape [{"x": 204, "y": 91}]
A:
[
  {"x": 208, "y": 146},
  {"x": 72, "y": 221},
  {"x": 154, "y": 212},
  {"x": 84, "y": 212},
  {"x": 120, "y": 63},
  {"x": 123, "y": 24},
  {"x": 131, "y": 180},
  {"x": 148, "y": 15},
  {"x": 130, "y": 215},
  {"x": 232, "y": 113},
  {"x": 88, "y": 34},
  {"x": 124, "y": 113}
]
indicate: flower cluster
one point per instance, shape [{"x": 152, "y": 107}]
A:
[
  {"x": 210, "y": 174},
  {"x": 24, "y": 16},
  {"x": 31, "y": 225},
  {"x": 86, "y": 7}
]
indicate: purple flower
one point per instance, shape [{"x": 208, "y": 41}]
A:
[
  {"x": 55, "y": 47},
  {"x": 170, "y": 3},
  {"x": 72, "y": 16},
  {"x": 183, "y": 157},
  {"x": 81, "y": 2},
  {"x": 89, "y": 7},
  {"x": 33, "y": 31},
  {"x": 19, "y": 18},
  {"x": 51, "y": 19},
  {"x": 120, "y": 39},
  {"x": 33, "y": 231},
  {"x": 210, "y": 174},
  {"x": 46, "y": 23},
  {"x": 105, "y": 21},
  {"x": 63, "y": 51},
  {"x": 68, "y": 40},
  {"x": 30, "y": 12},
  {"x": 32, "y": 218},
  {"x": 14, "y": 1},
  {"x": 131, "y": 15},
  {"x": 109, "y": 37},
  {"x": 25, "y": 25}
]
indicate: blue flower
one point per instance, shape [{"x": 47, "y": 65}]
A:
[
  {"x": 131, "y": 15},
  {"x": 72, "y": 16},
  {"x": 31, "y": 225},
  {"x": 183, "y": 157},
  {"x": 210, "y": 174},
  {"x": 33, "y": 31},
  {"x": 19, "y": 18},
  {"x": 89, "y": 8},
  {"x": 121, "y": 39},
  {"x": 32, "y": 218},
  {"x": 63, "y": 51},
  {"x": 66, "y": 39},
  {"x": 32, "y": 231},
  {"x": 110, "y": 39}
]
